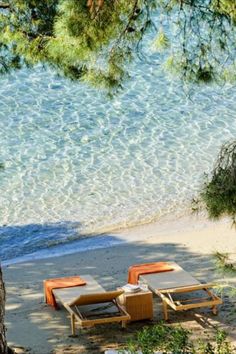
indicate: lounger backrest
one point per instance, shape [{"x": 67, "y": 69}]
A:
[
  {"x": 96, "y": 298},
  {"x": 167, "y": 280}
]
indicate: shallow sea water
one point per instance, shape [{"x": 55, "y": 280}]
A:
[{"x": 78, "y": 163}]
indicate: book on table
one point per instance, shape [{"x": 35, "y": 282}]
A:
[{"x": 131, "y": 288}]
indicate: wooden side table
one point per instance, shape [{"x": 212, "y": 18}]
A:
[{"x": 138, "y": 305}]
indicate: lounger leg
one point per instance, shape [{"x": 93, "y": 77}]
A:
[
  {"x": 72, "y": 318},
  {"x": 214, "y": 310},
  {"x": 44, "y": 292},
  {"x": 165, "y": 310},
  {"x": 123, "y": 324}
]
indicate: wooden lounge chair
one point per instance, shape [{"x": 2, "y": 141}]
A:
[
  {"x": 90, "y": 304},
  {"x": 173, "y": 286}
]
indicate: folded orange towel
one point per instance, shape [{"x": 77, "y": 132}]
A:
[
  {"x": 59, "y": 283},
  {"x": 146, "y": 268}
]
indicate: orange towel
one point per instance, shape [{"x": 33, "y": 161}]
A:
[
  {"x": 147, "y": 268},
  {"x": 59, "y": 283}
]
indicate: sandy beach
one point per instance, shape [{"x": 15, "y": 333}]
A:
[{"x": 33, "y": 327}]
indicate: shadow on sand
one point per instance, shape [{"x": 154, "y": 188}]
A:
[
  {"x": 17, "y": 240},
  {"x": 30, "y": 321}
]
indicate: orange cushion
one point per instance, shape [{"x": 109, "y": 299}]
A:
[
  {"x": 59, "y": 283},
  {"x": 146, "y": 268}
]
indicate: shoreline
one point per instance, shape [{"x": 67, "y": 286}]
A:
[
  {"x": 101, "y": 238},
  {"x": 162, "y": 226}
]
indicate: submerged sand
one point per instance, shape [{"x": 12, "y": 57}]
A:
[{"x": 35, "y": 328}]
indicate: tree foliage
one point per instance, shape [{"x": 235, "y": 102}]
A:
[
  {"x": 84, "y": 40},
  {"x": 203, "y": 46},
  {"x": 95, "y": 40},
  {"x": 227, "y": 268},
  {"x": 218, "y": 195}
]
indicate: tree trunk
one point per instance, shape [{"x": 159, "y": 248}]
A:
[{"x": 3, "y": 341}]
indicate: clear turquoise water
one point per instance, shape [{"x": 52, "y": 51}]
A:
[{"x": 77, "y": 163}]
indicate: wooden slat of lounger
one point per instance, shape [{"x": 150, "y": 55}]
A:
[
  {"x": 166, "y": 280},
  {"x": 209, "y": 303},
  {"x": 187, "y": 289},
  {"x": 96, "y": 298},
  {"x": 67, "y": 295},
  {"x": 92, "y": 322}
]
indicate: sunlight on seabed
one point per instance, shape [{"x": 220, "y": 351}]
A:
[{"x": 77, "y": 163}]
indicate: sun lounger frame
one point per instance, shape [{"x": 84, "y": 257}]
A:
[
  {"x": 78, "y": 317},
  {"x": 166, "y": 294},
  {"x": 91, "y": 298}
]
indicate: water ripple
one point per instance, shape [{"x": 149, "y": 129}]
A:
[{"x": 73, "y": 156}]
